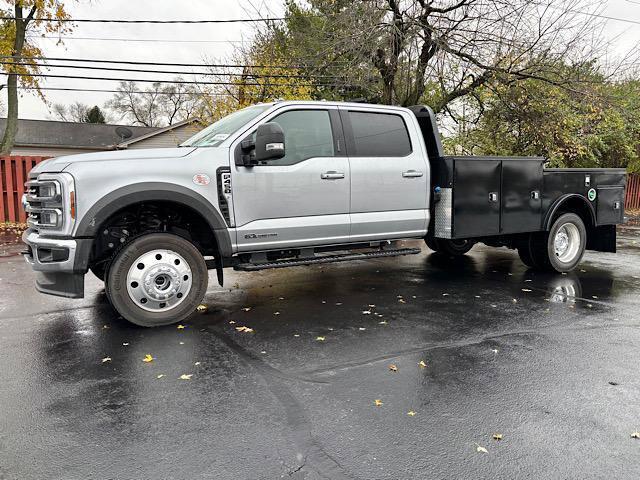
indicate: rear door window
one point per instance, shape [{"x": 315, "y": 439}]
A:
[{"x": 379, "y": 135}]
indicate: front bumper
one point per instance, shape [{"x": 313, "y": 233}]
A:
[{"x": 60, "y": 264}]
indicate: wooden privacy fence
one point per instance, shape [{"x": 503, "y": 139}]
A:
[
  {"x": 633, "y": 192},
  {"x": 14, "y": 170},
  {"x": 13, "y": 174}
]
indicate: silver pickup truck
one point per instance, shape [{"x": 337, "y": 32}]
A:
[{"x": 297, "y": 183}]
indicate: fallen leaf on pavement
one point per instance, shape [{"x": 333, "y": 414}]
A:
[
  {"x": 383, "y": 322},
  {"x": 393, "y": 368},
  {"x": 180, "y": 327},
  {"x": 320, "y": 339},
  {"x": 497, "y": 436},
  {"x": 197, "y": 363},
  {"x": 422, "y": 364},
  {"x": 366, "y": 312},
  {"x": 276, "y": 313},
  {"x": 125, "y": 344},
  {"x": 186, "y": 376},
  {"x": 411, "y": 413},
  {"x": 377, "y": 402},
  {"x": 232, "y": 322},
  {"x": 244, "y": 329},
  {"x": 635, "y": 434},
  {"x": 148, "y": 358},
  {"x": 362, "y": 329},
  {"x": 481, "y": 449},
  {"x": 106, "y": 359},
  {"x": 246, "y": 309},
  {"x": 160, "y": 376},
  {"x": 401, "y": 301},
  {"x": 527, "y": 290},
  {"x": 203, "y": 307}
]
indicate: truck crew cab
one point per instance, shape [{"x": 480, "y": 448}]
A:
[{"x": 297, "y": 183}]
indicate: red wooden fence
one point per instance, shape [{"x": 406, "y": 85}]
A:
[
  {"x": 13, "y": 174},
  {"x": 14, "y": 170},
  {"x": 633, "y": 192}
]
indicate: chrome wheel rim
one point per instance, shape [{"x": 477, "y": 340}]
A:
[
  {"x": 566, "y": 243},
  {"x": 159, "y": 280}
]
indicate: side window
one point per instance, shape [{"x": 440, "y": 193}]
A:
[
  {"x": 379, "y": 135},
  {"x": 307, "y": 134}
]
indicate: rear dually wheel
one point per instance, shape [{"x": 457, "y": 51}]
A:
[{"x": 562, "y": 247}]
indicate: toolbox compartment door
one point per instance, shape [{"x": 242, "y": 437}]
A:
[
  {"x": 609, "y": 205},
  {"x": 521, "y": 195},
  {"x": 476, "y": 197}
]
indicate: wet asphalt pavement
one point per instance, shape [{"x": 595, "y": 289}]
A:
[{"x": 551, "y": 362}]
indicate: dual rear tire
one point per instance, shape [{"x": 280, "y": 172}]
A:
[
  {"x": 452, "y": 248},
  {"x": 560, "y": 249}
]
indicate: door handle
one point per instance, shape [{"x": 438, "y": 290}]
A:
[
  {"x": 493, "y": 196},
  {"x": 331, "y": 175},
  {"x": 411, "y": 174}
]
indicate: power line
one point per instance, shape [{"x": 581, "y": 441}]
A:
[
  {"x": 142, "y": 40},
  {"x": 130, "y": 62},
  {"x": 96, "y": 20},
  {"x": 172, "y": 72},
  {"x": 101, "y": 90},
  {"x": 178, "y": 82}
]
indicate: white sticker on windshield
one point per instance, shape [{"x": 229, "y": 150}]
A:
[{"x": 220, "y": 136}]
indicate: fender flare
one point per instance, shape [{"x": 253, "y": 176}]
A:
[
  {"x": 560, "y": 201},
  {"x": 158, "y": 191}
]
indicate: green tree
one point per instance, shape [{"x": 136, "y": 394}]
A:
[
  {"x": 595, "y": 126},
  {"x": 94, "y": 115},
  {"x": 18, "y": 52},
  {"x": 422, "y": 51}
]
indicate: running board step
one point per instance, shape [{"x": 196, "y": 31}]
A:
[{"x": 251, "y": 267}]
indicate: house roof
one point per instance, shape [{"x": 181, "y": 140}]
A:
[
  {"x": 158, "y": 131},
  {"x": 52, "y": 133}
]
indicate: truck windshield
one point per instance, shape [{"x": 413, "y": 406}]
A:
[{"x": 218, "y": 132}]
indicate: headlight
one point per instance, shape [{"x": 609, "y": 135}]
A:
[
  {"x": 51, "y": 218},
  {"x": 48, "y": 190},
  {"x": 50, "y": 203}
]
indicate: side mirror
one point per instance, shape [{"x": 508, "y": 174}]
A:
[{"x": 269, "y": 142}]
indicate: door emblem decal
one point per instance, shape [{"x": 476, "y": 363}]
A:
[{"x": 592, "y": 194}]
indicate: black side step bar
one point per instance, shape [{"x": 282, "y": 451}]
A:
[{"x": 346, "y": 257}]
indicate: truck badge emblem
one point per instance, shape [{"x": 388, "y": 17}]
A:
[
  {"x": 201, "y": 179},
  {"x": 592, "y": 194}
]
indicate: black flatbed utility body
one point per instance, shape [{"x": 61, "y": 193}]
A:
[{"x": 486, "y": 197}]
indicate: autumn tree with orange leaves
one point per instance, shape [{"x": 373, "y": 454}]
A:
[{"x": 20, "y": 54}]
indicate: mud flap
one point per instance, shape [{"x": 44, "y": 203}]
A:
[
  {"x": 220, "y": 272},
  {"x": 602, "y": 239},
  {"x": 61, "y": 284}
]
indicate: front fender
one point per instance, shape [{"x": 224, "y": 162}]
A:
[{"x": 158, "y": 191}]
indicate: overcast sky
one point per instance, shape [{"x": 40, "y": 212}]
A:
[{"x": 220, "y": 40}]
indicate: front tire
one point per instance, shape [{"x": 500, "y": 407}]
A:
[{"x": 157, "y": 279}]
